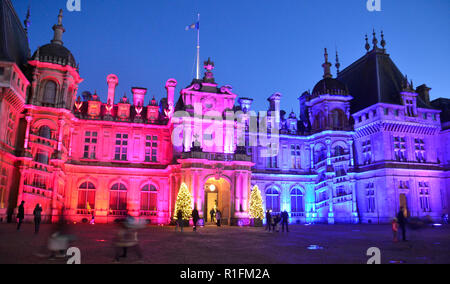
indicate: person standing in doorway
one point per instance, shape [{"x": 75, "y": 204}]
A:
[
  {"x": 213, "y": 214},
  {"x": 195, "y": 218},
  {"x": 401, "y": 219},
  {"x": 37, "y": 217},
  {"x": 285, "y": 221},
  {"x": 218, "y": 217},
  {"x": 20, "y": 215}
]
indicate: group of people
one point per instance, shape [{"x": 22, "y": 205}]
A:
[
  {"x": 272, "y": 221},
  {"x": 37, "y": 213},
  {"x": 216, "y": 216}
]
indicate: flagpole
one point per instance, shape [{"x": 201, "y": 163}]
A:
[{"x": 198, "y": 48}]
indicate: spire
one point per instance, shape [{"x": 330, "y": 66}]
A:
[
  {"x": 367, "y": 44},
  {"x": 58, "y": 30},
  {"x": 338, "y": 65},
  {"x": 383, "y": 42},
  {"x": 326, "y": 66},
  {"x": 374, "y": 40},
  {"x": 27, "y": 22}
]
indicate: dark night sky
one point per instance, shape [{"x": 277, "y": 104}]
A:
[{"x": 259, "y": 46}]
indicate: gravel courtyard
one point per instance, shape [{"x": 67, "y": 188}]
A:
[{"x": 234, "y": 245}]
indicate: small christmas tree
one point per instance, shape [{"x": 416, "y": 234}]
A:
[
  {"x": 256, "y": 206},
  {"x": 184, "y": 203}
]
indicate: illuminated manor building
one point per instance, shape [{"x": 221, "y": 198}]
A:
[{"x": 361, "y": 144}]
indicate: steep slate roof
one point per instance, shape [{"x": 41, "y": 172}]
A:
[
  {"x": 13, "y": 39},
  {"x": 374, "y": 78}
]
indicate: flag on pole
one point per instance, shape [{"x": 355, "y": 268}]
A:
[{"x": 195, "y": 26}]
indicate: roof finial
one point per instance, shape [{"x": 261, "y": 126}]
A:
[
  {"x": 58, "y": 30},
  {"x": 367, "y": 43},
  {"x": 383, "y": 42},
  {"x": 338, "y": 64},
  {"x": 375, "y": 40},
  {"x": 326, "y": 66},
  {"x": 27, "y": 22}
]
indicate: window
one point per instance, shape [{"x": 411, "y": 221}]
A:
[
  {"x": 339, "y": 151},
  {"x": 90, "y": 145},
  {"x": 39, "y": 182},
  {"x": 151, "y": 149},
  {"x": 118, "y": 197},
  {"x": 424, "y": 196},
  {"x": 42, "y": 157},
  {"x": 367, "y": 152},
  {"x": 370, "y": 197},
  {"x": 410, "y": 108},
  {"x": 45, "y": 132},
  {"x": 49, "y": 94},
  {"x": 338, "y": 119},
  {"x": 297, "y": 201},
  {"x": 295, "y": 156},
  {"x": 121, "y": 147},
  {"x": 419, "y": 148},
  {"x": 400, "y": 149},
  {"x": 149, "y": 196},
  {"x": 10, "y": 130},
  {"x": 86, "y": 196},
  {"x": 320, "y": 155},
  {"x": 272, "y": 200},
  {"x": 3, "y": 183}
]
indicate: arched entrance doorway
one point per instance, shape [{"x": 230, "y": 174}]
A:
[{"x": 217, "y": 197}]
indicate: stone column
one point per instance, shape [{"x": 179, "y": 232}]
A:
[
  {"x": 312, "y": 156},
  {"x": 328, "y": 141},
  {"x": 27, "y": 133},
  {"x": 60, "y": 134},
  {"x": 70, "y": 141},
  {"x": 352, "y": 160}
]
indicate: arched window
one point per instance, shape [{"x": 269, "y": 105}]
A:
[
  {"x": 118, "y": 197},
  {"x": 320, "y": 154},
  {"x": 86, "y": 196},
  {"x": 49, "y": 93},
  {"x": 338, "y": 119},
  {"x": 297, "y": 201},
  {"x": 45, "y": 132},
  {"x": 319, "y": 121},
  {"x": 149, "y": 195},
  {"x": 41, "y": 157},
  {"x": 273, "y": 200},
  {"x": 339, "y": 151}
]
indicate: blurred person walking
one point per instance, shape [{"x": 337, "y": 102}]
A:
[
  {"x": 179, "y": 223},
  {"x": 20, "y": 215},
  {"x": 37, "y": 212},
  {"x": 402, "y": 220},
  {"x": 268, "y": 220},
  {"x": 195, "y": 218}
]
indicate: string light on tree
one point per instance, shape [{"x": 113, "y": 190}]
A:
[
  {"x": 256, "y": 205},
  {"x": 183, "y": 203}
]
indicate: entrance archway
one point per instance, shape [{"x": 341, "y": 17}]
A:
[{"x": 217, "y": 197}]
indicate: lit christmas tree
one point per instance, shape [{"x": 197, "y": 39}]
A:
[
  {"x": 256, "y": 205},
  {"x": 184, "y": 203}
]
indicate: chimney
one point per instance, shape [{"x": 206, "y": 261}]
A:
[
  {"x": 424, "y": 93},
  {"x": 138, "y": 96},
  {"x": 171, "y": 84},
  {"x": 112, "y": 81}
]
